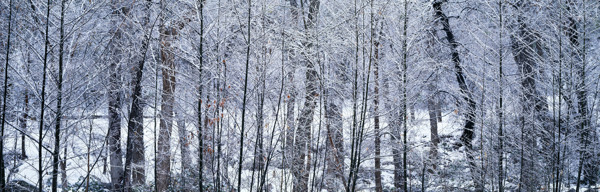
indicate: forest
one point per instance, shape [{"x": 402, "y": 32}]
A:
[{"x": 300, "y": 95}]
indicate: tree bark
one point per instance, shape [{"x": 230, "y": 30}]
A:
[
  {"x": 500, "y": 106},
  {"x": 467, "y": 134},
  {"x": 184, "y": 144},
  {"x": 403, "y": 180},
  {"x": 378, "y": 184},
  {"x": 56, "y": 153},
  {"x": 290, "y": 127},
  {"x": 433, "y": 126},
  {"x": 23, "y": 122},
  {"x": 335, "y": 141},
  {"x": 241, "y": 159},
  {"x": 5, "y": 94},
  {"x": 303, "y": 132},
  {"x": 43, "y": 101},
  {"x": 135, "y": 160},
  {"x": 114, "y": 100},
  {"x": 163, "y": 159},
  {"x": 200, "y": 89}
]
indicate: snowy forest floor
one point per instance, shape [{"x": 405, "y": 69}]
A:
[{"x": 451, "y": 173}]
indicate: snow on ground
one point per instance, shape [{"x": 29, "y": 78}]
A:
[{"x": 78, "y": 140}]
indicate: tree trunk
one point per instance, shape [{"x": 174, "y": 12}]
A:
[
  {"x": 378, "y": 185},
  {"x": 135, "y": 160},
  {"x": 500, "y": 106},
  {"x": 163, "y": 159},
  {"x": 335, "y": 141},
  {"x": 433, "y": 126},
  {"x": 43, "y": 102},
  {"x": 184, "y": 144},
  {"x": 241, "y": 158},
  {"x": 114, "y": 100},
  {"x": 259, "y": 155},
  {"x": 5, "y": 94},
  {"x": 586, "y": 161},
  {"x": 23, "y": 122},
  {"x": 290, "y": 127},
  {"x": 303, "y": 132},
  {"x": 467, "y": 134},
  {"x": 199, "y": 108},
  {"x": 56, "y": 153},
  {"x": 404, "y": 112},
  {"x": 63, "y": 170},
  {"x": 394, "y": 120}
]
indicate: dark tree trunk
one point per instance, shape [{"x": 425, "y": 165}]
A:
[
  {"x": 56, "y": 153},
  {"x": 587, "y": 167},
  {"x": 5, "y": 94},
  {"x": 378, "y": 184},
  {"x": 43, "y": 101},
  {"x": 467, "y": 134},
  {"x": 134, "y": 159},
  {"x": 23, "y": 122},
  {"x": 501, "y": 107},
  {"x": 241, "y": 158},
  {"x": 200, "y": 89}
]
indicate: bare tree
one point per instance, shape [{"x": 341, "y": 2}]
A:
[
  {"x": 467, "y": 134},
  {"x": 5, "y": 94},
  {"x": 114, "y": 103},
  {"x": 56, "y": 153},
  {"x": 135, "y": 160}
]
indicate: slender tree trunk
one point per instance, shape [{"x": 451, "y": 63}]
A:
[
  {"x": 23, "y": 122},
  {"x": 586, "y": 161},
  {"x": 184, "y": 149},
  {"x": 63, "y": 169},
  {"x": 438, "y": 109},
  {"x": 241, "y": 159},
  {"x": 500, "y": 106},
  {"x": 378, "y": 184},
  {"x": 135, "y": 160},
  {"x": 199, "y": 109},
  {"x": 43, "y": 102},
  {"x": 56, "y": 154},
  {"x": 559, "y": 121},
  {"x": 5, "y": 94},
  {"x": 394, "y": 120},
  {"x": 404, "y": 112},
  {"x": 89, "y": 147}
]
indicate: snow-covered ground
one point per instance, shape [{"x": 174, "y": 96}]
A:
[{"x": 452, "y": 173}]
